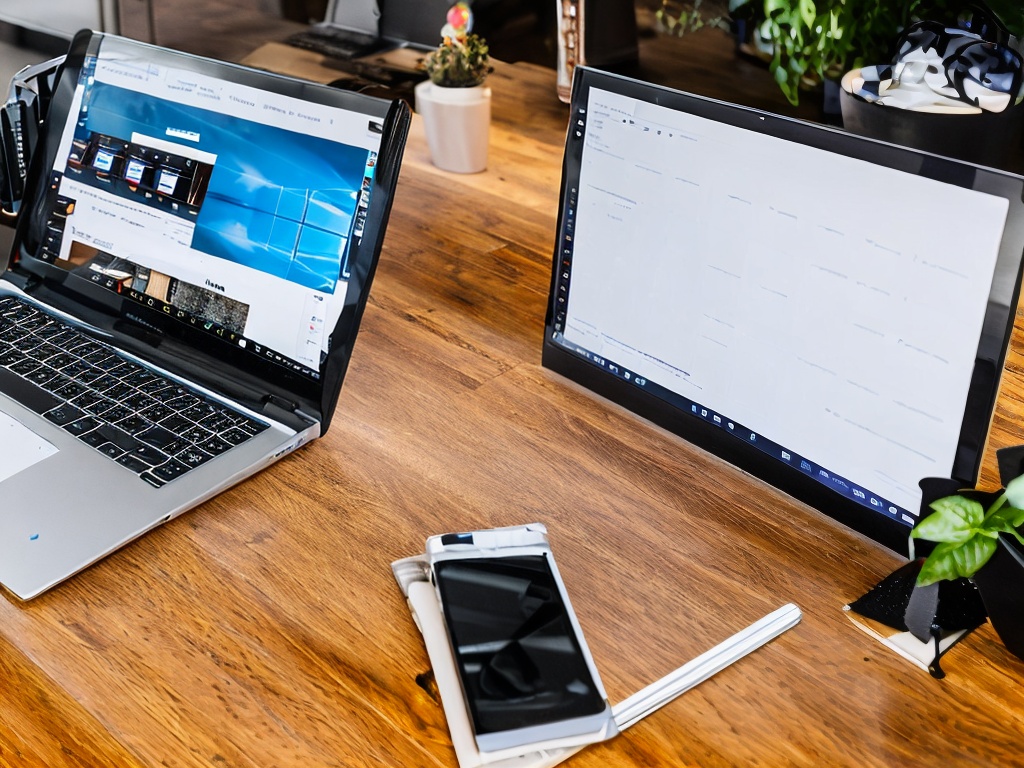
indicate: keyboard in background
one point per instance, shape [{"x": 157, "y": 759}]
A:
[{"x": 337, "y": 42}]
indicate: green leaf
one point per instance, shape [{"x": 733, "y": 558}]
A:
[
  {"x": 939, "y": 566},
  {"x": 1015, "y": 492},
  {"x": 1005, "y": 519},
  {"x": 973, "y": 554},
  {"x": 951, "y": 561},
  {"x": 954, "y": 520},
  {"x": 807, "y": 13}
]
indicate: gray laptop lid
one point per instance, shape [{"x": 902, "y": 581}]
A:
[
  {"x": 222, "y": 222},
  {"x": 400, "y": 21},
  {"x": 357, "y": 15}
]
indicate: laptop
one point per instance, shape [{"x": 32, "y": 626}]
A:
[
  {"x": 826, "y": 312},
  {"x": 192, "y": 258},
  {"x": 355, "y": 28}
]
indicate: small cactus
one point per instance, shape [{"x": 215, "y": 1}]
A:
[{"x": 458, "y": 63}]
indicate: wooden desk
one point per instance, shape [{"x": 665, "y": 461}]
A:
[{"x": 265, "y": 629}]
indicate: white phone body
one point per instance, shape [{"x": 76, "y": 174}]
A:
[{"x": 528, "y": 679}]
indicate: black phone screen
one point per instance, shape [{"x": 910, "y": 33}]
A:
[{"x": 520, "y": 661}]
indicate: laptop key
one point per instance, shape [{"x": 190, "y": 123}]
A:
[
  {"x": 63, "y": 414},
  {"x": 111, "y": 450},
  {"x": 121, "y": 439},
  {"x": 117, "y": 413},
  {"x": 57, "y": 382},
  {"x": 134, "y": 424},
  {"x": 151, "y": 456},
  {"x": 132, "y": 462},
  {"x": 214, "y": 445},
  {"x": 41, "y": 375},
  {"x": 170, "y": 470},
  {"x": 69, "y": 390},
  {"x": 193, "y": 457},
  {"x": 25, "y": 367},
  {"x": 157, "y": 412},
  {"x": 26, "y": 393},
  {"x": 158, "y": 437},
  {"x": 195, "y": 434},
  {"x": 235, "y": 436},
  {"x": 93, "y": 438},
  {"x": 81, "y": 426}
]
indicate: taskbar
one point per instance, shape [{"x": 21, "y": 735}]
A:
[
  {"x": 821, "y": 474},
  {"x": 222, "y": 332}
]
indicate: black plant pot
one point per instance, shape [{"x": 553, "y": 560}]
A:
[
  {"x": 997, "y": 590},
  {"x": 990, "y": 138},
  {"x": 1001, "y": 584}
]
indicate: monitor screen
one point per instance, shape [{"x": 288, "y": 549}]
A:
[{"x": 827, "y": 312}]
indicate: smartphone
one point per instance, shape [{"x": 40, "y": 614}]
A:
[{"x": 527, "y": 676}]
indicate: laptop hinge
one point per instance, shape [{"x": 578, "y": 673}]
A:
[{"x": 285, "y": 410}]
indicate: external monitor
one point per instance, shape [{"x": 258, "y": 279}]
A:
[{"x": 824, "y": 311}]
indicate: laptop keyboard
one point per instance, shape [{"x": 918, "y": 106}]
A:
[
  {"x": 336, "y": 42},
  {"x": 151, "y": 425}
]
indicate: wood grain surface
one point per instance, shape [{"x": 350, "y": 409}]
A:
[{"x": 265, "y": 628}]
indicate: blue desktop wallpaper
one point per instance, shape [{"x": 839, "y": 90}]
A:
[{"x": 278, "y": 201}]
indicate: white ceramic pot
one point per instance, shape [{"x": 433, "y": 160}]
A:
[{"x": 457, "y": 122}]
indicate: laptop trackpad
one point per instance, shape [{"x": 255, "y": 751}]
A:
[{"x": 20, "y": 447}]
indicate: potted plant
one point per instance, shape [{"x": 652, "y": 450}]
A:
[
  {"x": 814, "y": 42},
  {"x": 952, "y": 90},
  {"x": 454, "y": 103},
  {"x": 977, "y": 537}
]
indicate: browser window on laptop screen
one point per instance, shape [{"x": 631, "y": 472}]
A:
[
  {"x": 227, "y": 208},
  {"x": 829, "y": 313}
]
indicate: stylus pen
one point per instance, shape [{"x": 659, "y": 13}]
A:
[{"x": 661, "y": 692}]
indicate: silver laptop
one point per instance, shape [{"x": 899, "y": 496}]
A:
[{"x": 192, "y": 259}]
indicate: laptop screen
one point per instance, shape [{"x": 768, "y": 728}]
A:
[
  {"x": 826, "y": 312},
  {"x": 209, "y": 204}
]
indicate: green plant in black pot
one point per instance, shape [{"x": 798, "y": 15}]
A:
[
  {"x": 817, "y": 40},
  {"x": 967, "y": 534},
  {"x": 977, "y": 537}
]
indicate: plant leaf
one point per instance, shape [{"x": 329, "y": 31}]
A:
[
  {"x": 939, "y": 566},
  {"x": 950, "y": 561},
  {"x": 1015, "y": 492},
  {"x": 807, "y": 13},
  {"x": 953, "y": 520},
  {"x": 1005, "y": 519},
  {"x": 973, "y": 554}
]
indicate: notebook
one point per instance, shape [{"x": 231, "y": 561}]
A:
[
  {"x": 355, "y": 28},
  {"x": 192, "y": 259},
  {"x": 826, "y": 312}
]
